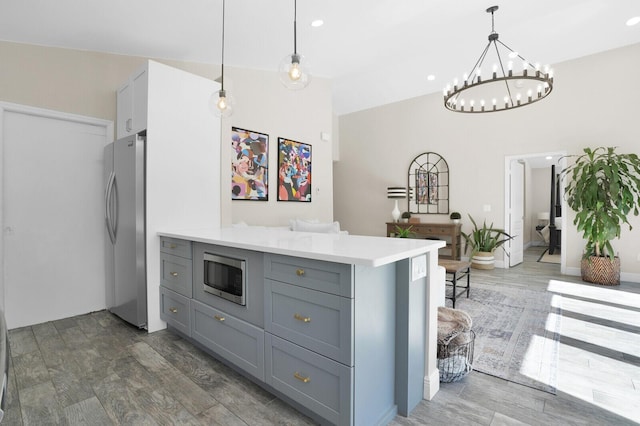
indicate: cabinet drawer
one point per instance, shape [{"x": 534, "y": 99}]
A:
[
  {"x": 318, "y": 321},
  {"x": 433, "y": 230},
  {"x": 316, "y": 382},
  {"x": 233, "y": 339},
  {"x": 174, "y": 309},
  {"x": 334, "y": 278},
  {"x": 176, "y": 274},
  {"x": 175, "y": 247}
]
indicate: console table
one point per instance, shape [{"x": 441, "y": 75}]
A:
[{"x": 448, "y": 232}]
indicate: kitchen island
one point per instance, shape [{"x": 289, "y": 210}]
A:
[{"x": 343, "y": 327}]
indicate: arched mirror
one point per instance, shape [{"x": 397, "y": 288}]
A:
[{"x": 428, "y": 183}]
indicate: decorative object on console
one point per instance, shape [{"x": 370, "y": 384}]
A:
[
  {"x": 294, "y": 68},
  {"x": 396, "y": 193},
  {"x": 428, "y": 179},
  {"x": 249, "y": 165},
  {"x": 222, "y": 105},
  {"x": 483, "y": 242},
  {"x": 603, "y": 188},
  {"x": 405, "y": 217},
  {"x": 294, "y": 171},
  {"x": 455, "y": 217},
  {"x": 525, "y": 88},
  {"x": 403, "y": 232}
]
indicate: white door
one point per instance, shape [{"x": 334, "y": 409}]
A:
[
  {"x": 516, "y": 213},
  {"x": 54, "y": 247}
]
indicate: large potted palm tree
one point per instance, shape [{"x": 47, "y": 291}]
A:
[
  {"x": 603, "y": 188},
  {"x": 483, "y": 242}
]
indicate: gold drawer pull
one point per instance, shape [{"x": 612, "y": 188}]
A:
[
  {"x": 300, "y": 272},
  {"x": 302, "y": 318},
  {"x": 219, "y": 318},
  {"x": 301, "y": 377},
  {"x": 173, "y": 274},
  {"x": 172, "y": 246},
  {"x": 173, "y": 310}
]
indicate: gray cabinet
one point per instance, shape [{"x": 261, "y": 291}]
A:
[
  {"x": 330, "y": 337},
  {"x": 325, "y": 340},
  {"x": 235, "y": 340},
  {"x": 318, "y": 321},
  {"x": 175, "y": 310},
  {"x": 317, "y": 382},
  {"x": 176, "y": 274}
]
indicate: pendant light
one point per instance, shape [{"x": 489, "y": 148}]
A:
[
  {"x": 222, "y": 102},
  {"x": 294, "y": 69}
]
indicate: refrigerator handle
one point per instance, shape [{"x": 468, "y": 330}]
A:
[
  {"x": 107, "y": 207},
  {"x": 114, "y": 218}
]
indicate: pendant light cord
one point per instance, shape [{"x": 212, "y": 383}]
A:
[
  {"x": 222, "y": 59},
  {"x": 295, "y": 26}
]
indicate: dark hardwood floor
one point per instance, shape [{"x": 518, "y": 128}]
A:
[{"x": 94, "y": 369}]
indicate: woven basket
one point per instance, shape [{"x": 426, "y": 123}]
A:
[{"x": 601, "y": 270}]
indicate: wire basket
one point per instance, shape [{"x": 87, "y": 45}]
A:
[{"x": 455, "y": 359}]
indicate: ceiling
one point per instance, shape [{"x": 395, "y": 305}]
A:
[{"x": 375, "y": 51}]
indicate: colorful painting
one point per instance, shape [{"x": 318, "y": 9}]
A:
[
  {"x": 249, "y": 165},
  {"x": 427, "y": 185},
  {"x": 294, "y": 171}
]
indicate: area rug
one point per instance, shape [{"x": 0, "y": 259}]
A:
[
  {"x": 516, "y": 337},
  {"x": 549, "y": 258}
]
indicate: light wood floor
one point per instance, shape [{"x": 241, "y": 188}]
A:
[{"x": 94, "y": 369}]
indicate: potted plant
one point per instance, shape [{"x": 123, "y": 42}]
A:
[
  {"x": 455, "y": 217},
  {"x": 405, "y": 217},
  {"x": 483, "y": 241},
  {"x": 403, "y": 232},
  {"x": 603, "y": 188}
]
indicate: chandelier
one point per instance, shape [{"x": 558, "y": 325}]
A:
[{"x": 503, "y": 89}]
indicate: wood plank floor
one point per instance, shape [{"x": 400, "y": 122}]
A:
[{"x": 93, "y": 369}]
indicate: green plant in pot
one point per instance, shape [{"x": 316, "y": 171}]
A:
[
  {"x": 603, "y": 188},
  {"x": 405, "y": 217},
  {"x": 402, "y": 232},
  {"x": 483, "y": 242},
  {"x": 455, "y": 217}
]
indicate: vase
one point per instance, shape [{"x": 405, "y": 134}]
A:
[
  {"x": 601, "y": 270},
  {"x": 483, "y": 260}
]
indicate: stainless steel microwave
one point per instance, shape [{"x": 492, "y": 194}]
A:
[{"x": 225, "y": 277}]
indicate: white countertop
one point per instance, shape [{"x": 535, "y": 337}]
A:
[{"x": 340, "y": 248}]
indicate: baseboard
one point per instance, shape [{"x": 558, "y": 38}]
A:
[
  {"x": 624, "y": 276},
  {"x": 431, "y": 385}
]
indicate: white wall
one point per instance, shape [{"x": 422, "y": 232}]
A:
[
  {"x": 593, "y": 103},
  {"x": 264, "y": 105}
]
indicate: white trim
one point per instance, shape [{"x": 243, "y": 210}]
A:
[
  {"x": 562, "y": 165},
  {"x": 38, "y": 112},
  {"x": 431, "y": 385}
]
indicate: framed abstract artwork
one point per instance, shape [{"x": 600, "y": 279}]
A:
[
  {"x": 249, "y": 165},
  {"x": 294, "y": 171}
]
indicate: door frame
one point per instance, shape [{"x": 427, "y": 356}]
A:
[
  {"x": 6, "y": 107},
  {"x": 507, "y": 195}
]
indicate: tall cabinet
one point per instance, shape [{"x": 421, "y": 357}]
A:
[{"x": 182, "y": 157}]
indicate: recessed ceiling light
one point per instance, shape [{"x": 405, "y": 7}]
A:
[
  {"x": 317, "y": 23},
  {"x": 431, "y": 77},
  {"x": 633, "y": 21},
  {"x": 513, "y": 55},
  {"x": 548, "y": 157}
]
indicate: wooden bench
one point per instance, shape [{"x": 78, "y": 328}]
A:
[{"x": 456, "y": 270}]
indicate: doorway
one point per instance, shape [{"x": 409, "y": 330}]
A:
[
  {"x": 534, "y": 191},
  {"x": 52, "y": 239}
]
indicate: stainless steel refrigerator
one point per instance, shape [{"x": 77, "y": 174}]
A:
[{"x": 124, "y": 201}]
